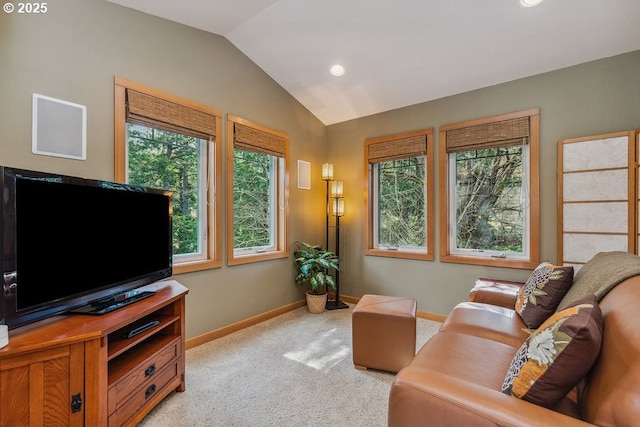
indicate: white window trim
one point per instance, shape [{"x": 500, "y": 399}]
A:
[
  {"x": 275, "y": 200},
  {"x": 204, "y": 162},
  {"x": 205, "y": 159},
  {"x": 376, "y": 216},
  {"x": 526, "y": 226}
]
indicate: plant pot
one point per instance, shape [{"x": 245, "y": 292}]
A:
[{"x": 316, "y": 303}]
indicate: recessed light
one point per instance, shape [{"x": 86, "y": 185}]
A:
[
  {"x": 337, "y": 70},
  {"x": 530, "y": 3}
]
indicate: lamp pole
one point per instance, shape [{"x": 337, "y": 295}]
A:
[
  {"x": 326, "y": 228},
  {"x": 327, "y": 176},
  {"x": 338, "y": 211}
]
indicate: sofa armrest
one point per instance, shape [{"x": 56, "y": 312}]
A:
[
  {"x": 423, "y": 397},
  {"x": 502, "y": 293}
]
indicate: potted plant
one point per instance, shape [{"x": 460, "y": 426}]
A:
[{"x": 314, "y": 263}]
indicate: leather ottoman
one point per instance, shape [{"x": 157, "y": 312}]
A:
[{"x": 383, "y": 332}]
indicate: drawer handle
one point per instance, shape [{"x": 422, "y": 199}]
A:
[
  {"x": 150, "y": 390},
  {"x": 150, "y": 370}
]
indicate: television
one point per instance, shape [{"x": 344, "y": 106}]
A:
[{"x": 76, "y": 244}]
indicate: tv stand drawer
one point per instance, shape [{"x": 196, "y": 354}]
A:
[
  {"x": 147, "y": 394},
  {"x": 143, "y": 371}
]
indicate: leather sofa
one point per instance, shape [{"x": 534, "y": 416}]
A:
[{"x": 455, "y": 379}]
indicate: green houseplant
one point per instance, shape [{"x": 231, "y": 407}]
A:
[{"x": 314, "y": 263}]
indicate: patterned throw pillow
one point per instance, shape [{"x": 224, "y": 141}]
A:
[
  {"x": 543, "y": 291},
  {"x": 557, "y": 355}
]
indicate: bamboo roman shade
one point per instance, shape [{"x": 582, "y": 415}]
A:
[
  {"x": 489, "y": 135},
  {"x": 400, "y": 148},
  {"x": 151, "y": 111},
  {"x": 250, "y": 138}
]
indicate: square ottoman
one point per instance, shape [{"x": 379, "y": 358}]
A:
[{"x": 383, "y": 332}]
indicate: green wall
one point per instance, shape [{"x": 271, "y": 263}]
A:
[
  {"x": 588, "y": 99},
  {"x": 73, "y": 53}
]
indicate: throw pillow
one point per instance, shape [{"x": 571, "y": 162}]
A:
[
  {"x": 557, "y": 355},
  {"x": 542, "y": 292}
]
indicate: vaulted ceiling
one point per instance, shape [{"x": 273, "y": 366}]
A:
[{"x": 402, "y": 52}]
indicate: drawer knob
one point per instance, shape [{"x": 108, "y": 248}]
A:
[
  {"x": 150, "y": 370},
  {"x": 150, "y": 390}
]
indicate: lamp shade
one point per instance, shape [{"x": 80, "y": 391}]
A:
[
  {"x": 338, "y": 207},
  {"x": 337, "y": 189},
  {"x": 327, "y": 172}
]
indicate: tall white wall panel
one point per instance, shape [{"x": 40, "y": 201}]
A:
[{"x": 595, "y": 196}]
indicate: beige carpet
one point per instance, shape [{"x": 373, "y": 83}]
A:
[{"x": 293, "y": 370}]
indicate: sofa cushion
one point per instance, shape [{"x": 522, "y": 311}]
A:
[
  {"x": 543, "y": 291},
  {"x": 487, "y": 321},
  {"x": 502, "y": 293},
  {"x": 471, "y": 358},
  {"x": 557, "y": 355}
]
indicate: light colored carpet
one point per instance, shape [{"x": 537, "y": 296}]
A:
[{"x": 293, "y": 370}]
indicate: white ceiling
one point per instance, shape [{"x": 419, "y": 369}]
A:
[{"x": 402, "y": 52}]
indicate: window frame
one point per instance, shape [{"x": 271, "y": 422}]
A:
[
  {"x": 370, "y": 199},
  {"x": 280, "y": 220},
  {"x": 203, "y": 161},
  {"x": 531, "y": 257},
  {"x": 213, "y": 169}
]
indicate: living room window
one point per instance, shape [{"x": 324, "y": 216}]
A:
[
  {"x": 163, "y": 141},
  {"x": 490, "y": 204},
  {"x": 400, "y": 195},
  {"x": 256, "y": 192}
]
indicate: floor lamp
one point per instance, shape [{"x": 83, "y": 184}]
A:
[
  {"x": 327, "y": 176},
  {"x": 337, "y": 194}
]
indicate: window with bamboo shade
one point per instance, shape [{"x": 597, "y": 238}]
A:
[
  {"x": 489, "y": 191},
  {"x": 257, "y": 192},
  {"x": 399, "y": 195},
  {"x": 168, "y": 142}
]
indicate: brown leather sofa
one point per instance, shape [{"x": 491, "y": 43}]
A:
[{"x": 455, "y": 379}]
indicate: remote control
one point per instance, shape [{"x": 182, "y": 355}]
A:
[{"x": 140, "y": 329}]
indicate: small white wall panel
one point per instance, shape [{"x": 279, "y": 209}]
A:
[
  {"x": 59, "y": 128},
  {"x": 304, "y": 175}
]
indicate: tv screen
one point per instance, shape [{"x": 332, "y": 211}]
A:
[{"x": 70, "y": 241}]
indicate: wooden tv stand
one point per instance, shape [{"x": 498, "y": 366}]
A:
[{"x": 80, "y": 370}]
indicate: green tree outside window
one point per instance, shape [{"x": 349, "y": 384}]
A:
[{"x": 170, "y": 161}]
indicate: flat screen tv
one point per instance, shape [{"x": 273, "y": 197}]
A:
[{"x": 71, "y": 243}]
